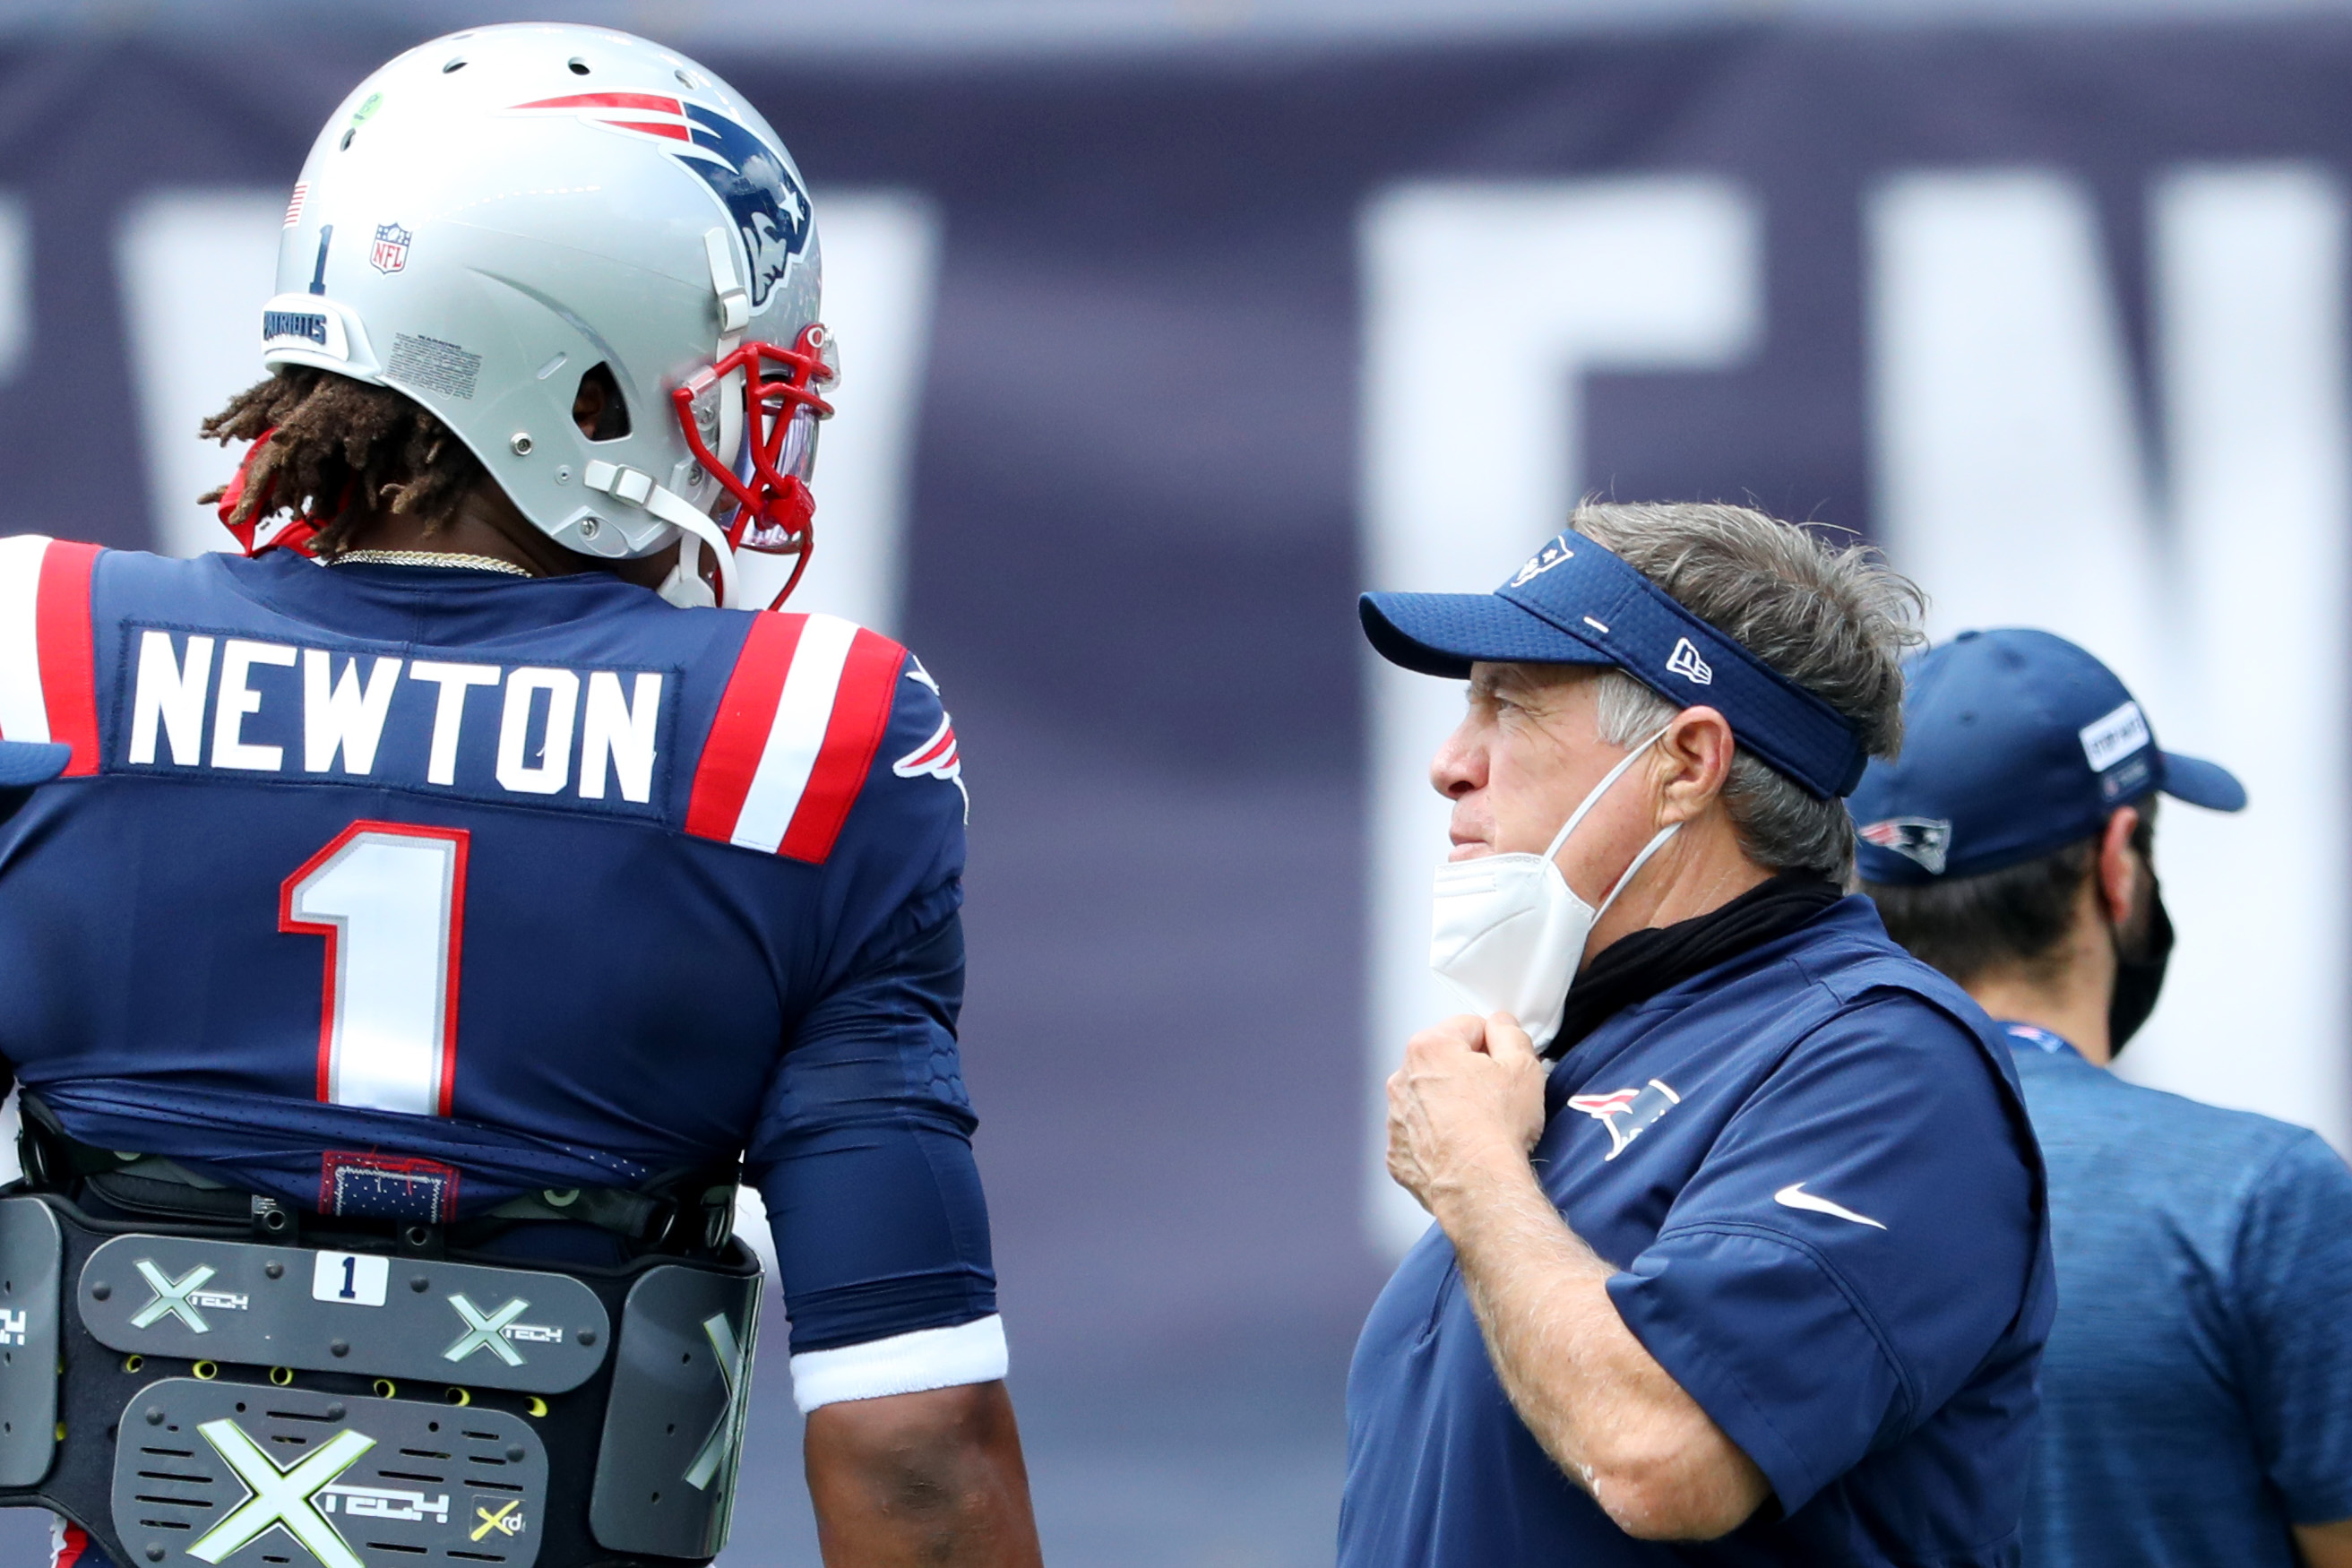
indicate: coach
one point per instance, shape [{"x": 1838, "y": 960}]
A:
[{"x": 1741, "y": 1237}]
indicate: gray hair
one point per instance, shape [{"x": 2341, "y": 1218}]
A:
[{"x": 1833, "y": 620}]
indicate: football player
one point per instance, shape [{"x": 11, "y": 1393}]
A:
[{"x": 449, "y": 898}]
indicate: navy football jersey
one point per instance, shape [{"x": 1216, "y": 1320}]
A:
[{"x": 373, "y": 878}]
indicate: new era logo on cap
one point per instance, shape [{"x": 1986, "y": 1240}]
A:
[
  {"x": 1925, "y": 839},
  {"x": 1685, "y": 662}
]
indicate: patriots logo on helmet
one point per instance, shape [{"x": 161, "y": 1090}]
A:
[
  {"x": 748, "y": 175},
  {"x": 1925, "y": 839},
  {"x": 1627, "y": 1113}
]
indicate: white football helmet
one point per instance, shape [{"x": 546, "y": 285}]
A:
[{"x": 498, "y": 214}]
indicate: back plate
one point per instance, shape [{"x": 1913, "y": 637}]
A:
[
  {"x": 222, "y": 1475},
  {"x": 32, "y": 1252},
  {"x": 674, "y": 1430},
  {"x": 339, "y": 1312}
]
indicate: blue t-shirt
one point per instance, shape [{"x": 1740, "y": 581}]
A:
[
  {"x": 2197, "y": 1393},
  {"x": 1812, "y": 1165}
]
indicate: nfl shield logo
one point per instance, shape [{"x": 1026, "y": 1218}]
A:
[{"x": 391, "y": 251}]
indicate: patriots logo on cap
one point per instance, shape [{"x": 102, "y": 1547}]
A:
[
  {"x": 1925, "y": 839},
  {"x": 1627, "y": 1113},
  {"x": 748, "y": 175},
  {"x": 1543, "y": 560}
]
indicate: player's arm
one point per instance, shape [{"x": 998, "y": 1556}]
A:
[
  {"x": 865, "y": 1161},
  {"x": 929, "y": 1477},
  {"x": 2325, "y": 1545},
  {"x": 863, "y": 1152},
  {"x": 912, "y": 1453},
  {"x": 1464, "y": 1112}
]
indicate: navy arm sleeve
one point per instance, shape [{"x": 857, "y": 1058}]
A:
[
  {"x": 2293, "y": 1282},
  {"x": 862, "y": 1148},
  {"x": 1852, "y": 1249}
]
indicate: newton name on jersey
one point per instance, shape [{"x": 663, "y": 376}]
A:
[{"x": 325, "y": 713}]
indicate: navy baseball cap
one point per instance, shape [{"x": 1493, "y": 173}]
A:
[
  {"x": 1575, "y": 602},
  {"x": 24, "y": 763},
  {"x": 2015, "y": 744}
]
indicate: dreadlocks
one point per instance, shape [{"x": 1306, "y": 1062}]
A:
[{"x": 334, "y": 441}]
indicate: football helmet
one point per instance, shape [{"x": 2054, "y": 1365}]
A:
[{"x": 504, "y": 218}]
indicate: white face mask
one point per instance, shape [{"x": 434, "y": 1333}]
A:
[{"x": 1510, "y": 932}]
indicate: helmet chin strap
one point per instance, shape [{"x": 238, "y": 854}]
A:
[{"x": 684, "y": 586}]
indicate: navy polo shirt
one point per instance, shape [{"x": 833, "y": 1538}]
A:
[
  {"x": 1812, "y": 1167},
  {"x": 2198, "y": 1392}
]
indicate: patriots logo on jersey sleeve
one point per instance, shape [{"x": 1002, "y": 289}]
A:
[
  {"x": 937, "y": 756},
  {"x": 743, "y": 171},
  {"x": 1627, "y": 1113}
]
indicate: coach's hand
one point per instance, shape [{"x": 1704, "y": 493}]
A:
[{"x": 1466, "y": 1105}]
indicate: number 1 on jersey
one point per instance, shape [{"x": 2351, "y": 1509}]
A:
[{"x": 390, "y": 898}]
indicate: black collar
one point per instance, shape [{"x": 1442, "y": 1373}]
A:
[{"x": 1637, "y": 967}]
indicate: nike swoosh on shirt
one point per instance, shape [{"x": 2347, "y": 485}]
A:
[{"x": 1794, "y": 1196}]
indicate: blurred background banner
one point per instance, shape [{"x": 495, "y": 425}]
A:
[{"x": 1156, "y": 356}]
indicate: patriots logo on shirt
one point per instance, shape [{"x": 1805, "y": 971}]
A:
[{"x": 1627, "y": 1113}]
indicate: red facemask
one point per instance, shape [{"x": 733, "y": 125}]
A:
[{"x": 774, "y": 510}]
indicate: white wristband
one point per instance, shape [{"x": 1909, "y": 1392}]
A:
[{"x": 903, "y": 1363}]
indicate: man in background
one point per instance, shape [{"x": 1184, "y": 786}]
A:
[{"x": 2196, "y": 1391}]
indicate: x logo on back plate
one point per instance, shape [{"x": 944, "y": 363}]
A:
[
  {"x": 719, "y": 1449},
  {"x": 172, "y": 1296},
  {"x": 481, "y": 1330},
  {"x": 280, "y": 1497}
]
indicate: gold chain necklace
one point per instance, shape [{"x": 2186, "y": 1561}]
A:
[{"x": 428, "y": 558}]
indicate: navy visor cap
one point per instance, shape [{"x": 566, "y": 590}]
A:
[
  {"x": 24, "y": 763},
  {"x": 2014, "y": 744},
  {"x": 1575, "y": 602}
]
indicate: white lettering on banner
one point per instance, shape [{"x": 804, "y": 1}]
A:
[
  {"x": 449, "y": 712},
  {"x": 171, "y": 695},
  {"x": 344, "y": 715},
  {"x": 1529, "y": 286},
  {"x": 237, "y": 699},
  {"x": 620, "y": 731},
  {"x": 2015, "y": 488},
  {"x": 553, "y": 770}
]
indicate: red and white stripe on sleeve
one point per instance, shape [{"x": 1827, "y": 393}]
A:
[
  {"x": 797, "y": 729},
  {"x": 48, "y": 690}
]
